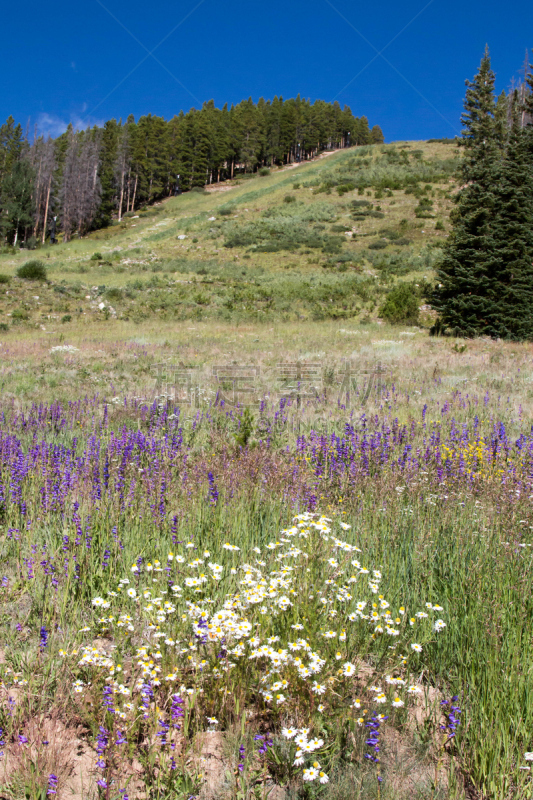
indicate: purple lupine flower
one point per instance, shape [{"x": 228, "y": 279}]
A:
[
  {"x": 102, "y": 741},
  {"x": 108, "y": 699},
  {"x": 176, "y": 711},
  {"x": 43, "y": 638},
  {"x": 373, "y": 738},
  {"x": 52, "y": 784},
  {"x": 265, "y": 743},
  {"x": 452, "y": 713},
  {"x": 146, "y": 695},
  {"x": 242, "y": 753},
  {"x": 162, "y": 734},
  {"x": 120, "y": 739},
  {"x": 213, "y": 491}
]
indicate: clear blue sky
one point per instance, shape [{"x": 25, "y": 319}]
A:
[{"x": 71, "y": 61}]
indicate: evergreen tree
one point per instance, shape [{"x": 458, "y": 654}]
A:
[
  {"x": 528, "y": 115},
  {"x": 510, "y": 271},
  {"x": 376, "y": 135},
  {"x": 107, "y": 173},
  {"x": 464, "y": 296},
  {"x": 479, "y": 129},
  {"x": 16, "y": 201},
  {"x": 11, "y": 146},
  {"x": 501, "y": 124}
]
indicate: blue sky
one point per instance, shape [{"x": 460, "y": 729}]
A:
[{"x": 89, "y": 61}]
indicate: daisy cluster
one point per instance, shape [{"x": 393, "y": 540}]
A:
[{"x": 292, "y": 623}]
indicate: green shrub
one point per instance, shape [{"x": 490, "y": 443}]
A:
[
  {"x": 225, "y": 211},
  {"x": 295, "y": 185},
  {"x": 114, "y": 294},
  {"x": 401, "y": 305},
  {"x": 195, "y": 240},
  {"x": 66, "y": 318},
  {"x": 289, "y": 198},
  {"x": 4, "y": 278},
  {"x": 32, "y": 271},
  {"x": 379, "y": 245},
  {"x": 390, "y": 234},
  {"x": 343, "y": 188},
  {"x": 246, "y": 427},
  {"x": 19, "y": 315},
  {"x": 31, "y": 243},
  {"x": 332, "y": 244},
  {"x": 424, "y": 209},
  {"x": 439, "y": 226},
  {"x": 3, "y": 327},
  {"x": 96, "y": 257},
  {"x": 264, "y": 171}
]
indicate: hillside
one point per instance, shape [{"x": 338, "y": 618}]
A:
[
  {"x": 321, "y": 240},
  {"x": 125, "y": 445}
]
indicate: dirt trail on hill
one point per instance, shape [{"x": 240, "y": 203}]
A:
[{"x": 224, "y": 187}]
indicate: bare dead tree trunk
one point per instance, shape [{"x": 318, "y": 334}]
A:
[
  {"x": 134, "y": 192},
  {"x": 46, "y": 209},
  {"x": 37, "y": 198},
  {"x": 121, "y": 197},
  {"x": 129, "y": 187}
]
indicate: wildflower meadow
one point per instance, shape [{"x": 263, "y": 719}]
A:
[{"x": 239, "y": 602}]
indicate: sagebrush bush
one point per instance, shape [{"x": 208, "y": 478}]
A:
[
  {"x": 4, "y": 278},
  {"x": 33, "y": 270}
]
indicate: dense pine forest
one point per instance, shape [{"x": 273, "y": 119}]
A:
[{"x": 79, "y": 181}]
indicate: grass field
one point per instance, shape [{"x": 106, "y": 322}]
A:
[{"x": 177, "y": 619}]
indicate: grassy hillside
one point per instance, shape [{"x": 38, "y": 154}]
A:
[
  {"x": 323, "y": 240},
  {"x": 102, "y": 466}
]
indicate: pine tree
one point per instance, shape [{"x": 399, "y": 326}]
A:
[
  {"x": 528, "y": 114},
  {"x": 16, "y": 201},
  {"x": 107, "y": 172},
  {"x": 501, "y": 120},
  {"x": 464, "y": 295},
  {"x": 510, "y": 271},
  {"x": 479, "y": 131},
  {"x": 11, "y": 146},
  {"x": 376, "y": 135}
]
